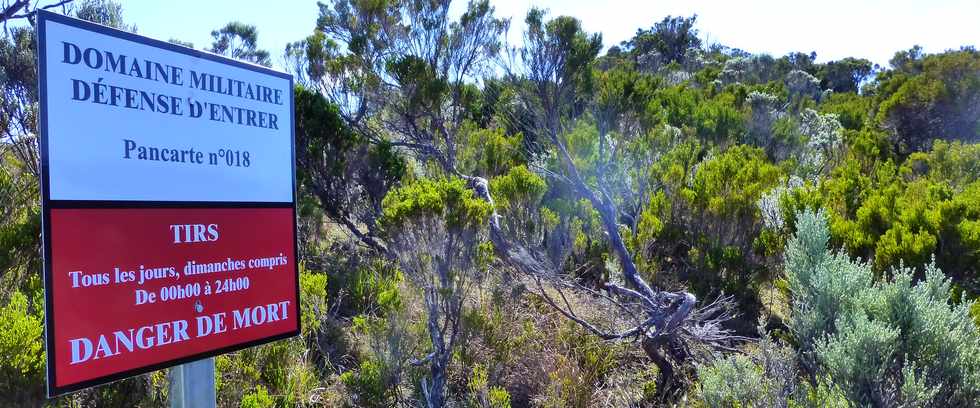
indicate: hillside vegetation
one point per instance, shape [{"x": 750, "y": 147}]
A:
[{"x": 564, "y": 223}]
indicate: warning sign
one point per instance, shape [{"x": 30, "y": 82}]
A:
[{"x": 168, "y": 203}]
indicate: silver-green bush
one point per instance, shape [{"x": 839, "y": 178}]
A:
[{"x": 898, "y": 342}]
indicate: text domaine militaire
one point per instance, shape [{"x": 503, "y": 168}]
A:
[{"x": 120, "y": 96}]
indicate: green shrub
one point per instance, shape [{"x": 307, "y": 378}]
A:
[
  {"x": 313, "y": 299},
  {"x": 374, "y": 287},
  {"x": 928, "y": 205},
  {"x": 283, "y": 368},
  {"x": 257, "y": 399},
  {"x": 730, "y": 184},
  {"x": 484, "y": 395},
  {"x": 975, "y": 314},
  {"x": 734, "y": 381},
  {"x": 489, "y": 152},
  {"x": 584, "y": 363},
  {"x": 891, "y": 342},
  {"x": 767, "y": 376},
  {"x": 822, "y": 395},
  {"x": 21, "y": 348},
  {"x": 370, "y": 386}
]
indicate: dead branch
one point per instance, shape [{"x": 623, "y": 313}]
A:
[{"x": 10, "y": 12}]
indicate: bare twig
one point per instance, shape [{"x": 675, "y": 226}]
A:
[{"x": 10, "y": 12}]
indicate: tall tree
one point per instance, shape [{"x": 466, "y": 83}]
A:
[
  {"x": 438, "y": 230},
  {"x": 399, "y": 72},
  {"x": 105, "y": 12},
  {"x": 240, "y": 41},
  {"x": 553, "y": 76},
  {"x": 671, "y": 37},
  {"x": 931, "y": 97},
  {"x": 18, "y": 96},
  {"x": 18, "y": 75},
  {"x": 845, "y": 75},
  {"x": 347, "y": 175}
]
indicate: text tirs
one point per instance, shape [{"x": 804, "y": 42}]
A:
[{"x": 185, "y": 233}]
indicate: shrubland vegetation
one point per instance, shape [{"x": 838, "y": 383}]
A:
[{"x": 667, "y": 222}]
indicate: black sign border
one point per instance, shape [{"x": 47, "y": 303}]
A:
[{"x": 43, "y": 17}]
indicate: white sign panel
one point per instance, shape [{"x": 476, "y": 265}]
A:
[{"x": 143, "y": 123}]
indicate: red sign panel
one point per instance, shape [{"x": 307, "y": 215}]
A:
[
  {"x": 138, "y": 287},
  {"x": 168, "y": 204}
]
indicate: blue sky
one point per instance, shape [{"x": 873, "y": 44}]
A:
[{"x": 872, "y": 29}]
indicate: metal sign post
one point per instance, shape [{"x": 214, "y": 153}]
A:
[{"x": 192, "y": 385}]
